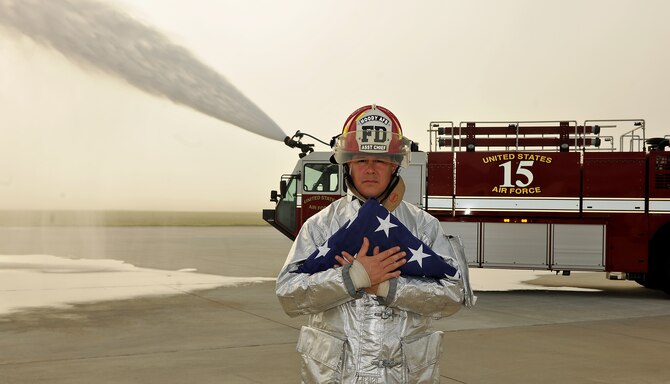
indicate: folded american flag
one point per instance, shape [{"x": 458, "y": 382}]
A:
[{"x": 385, "y": 231}]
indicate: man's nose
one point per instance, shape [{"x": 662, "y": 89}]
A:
[{"x": 369, "y": 166}]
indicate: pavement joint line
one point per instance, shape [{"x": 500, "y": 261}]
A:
[
  {"x": 125, "y": 355},
  {"x": 238, "y": 309},
  {"x": 624, "y": 334},
  {"x": 452, "y": 379},
  {"x": 103, "y": 287},
  {"x": 544, "y": 322},
  {"x": 577, "y": 324}
]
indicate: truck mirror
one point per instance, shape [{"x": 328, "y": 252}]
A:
[{"x": 273, "y": 196}]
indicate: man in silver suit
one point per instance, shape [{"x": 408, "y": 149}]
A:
[{"x": 367, "y": 322}]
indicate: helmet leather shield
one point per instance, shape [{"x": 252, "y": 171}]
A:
[{"x": 372, "y": 130}]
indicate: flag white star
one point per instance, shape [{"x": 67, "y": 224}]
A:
[
  {"x": 418, "y": 255},
  {"x": 323, "y": 250},
  {"x": 385, "y": 224}
]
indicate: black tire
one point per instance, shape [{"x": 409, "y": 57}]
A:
[
  {"x": 665, "y": 284},
  {"x": 658, "y": 276},
  {"x": 647, "y": 283}
]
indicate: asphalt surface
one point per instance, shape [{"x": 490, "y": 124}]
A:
[{"x": 617, "y": 334}]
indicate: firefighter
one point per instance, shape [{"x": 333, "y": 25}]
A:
[{"x": 367, "y": 323}]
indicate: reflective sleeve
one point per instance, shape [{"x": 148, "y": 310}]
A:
[
  {"x": 426, "y": 296},
  {"x": 304, "y": 294},
  {"x": 429, "y": 296},
  {"x": 459, "y": 251}
]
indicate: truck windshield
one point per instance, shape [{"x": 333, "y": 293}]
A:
[{"x": 321, "y": 177}]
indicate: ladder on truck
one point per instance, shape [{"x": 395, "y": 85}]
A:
[{"x": 541, "y": 135}]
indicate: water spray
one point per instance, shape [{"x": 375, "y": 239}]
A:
[{"x": 97, "y": 34}]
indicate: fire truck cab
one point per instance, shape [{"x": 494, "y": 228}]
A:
[{"x": 551, "y": 195}]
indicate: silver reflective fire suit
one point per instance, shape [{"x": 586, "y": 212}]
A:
[{"x": 356, "y": 337}]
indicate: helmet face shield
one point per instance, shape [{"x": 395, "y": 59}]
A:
[{"x": 372, "y": 130}]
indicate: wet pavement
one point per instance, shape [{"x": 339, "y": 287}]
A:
[{"x": 614, "y": 332}]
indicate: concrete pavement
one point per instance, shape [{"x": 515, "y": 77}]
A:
[
  {"x": 240, "y": 335},
  {"x": 617, "y": 333}
]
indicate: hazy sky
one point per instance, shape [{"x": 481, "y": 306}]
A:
[{"x": 73, "y": 137}]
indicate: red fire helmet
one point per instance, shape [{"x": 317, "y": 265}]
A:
[{"x": 372, "y": 130}]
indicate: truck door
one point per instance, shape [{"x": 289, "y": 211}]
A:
[{"x": 283, "y": 217}]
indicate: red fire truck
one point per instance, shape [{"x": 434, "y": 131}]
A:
[{"x": 550, "y": 195}]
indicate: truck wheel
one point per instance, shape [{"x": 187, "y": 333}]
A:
[
  {"x": 666, "y": 276},
  {"x": 659, "y": 261},
  {"x": 647, "y": 282}
]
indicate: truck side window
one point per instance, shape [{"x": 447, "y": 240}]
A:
[{"x": 321, "y": 177}]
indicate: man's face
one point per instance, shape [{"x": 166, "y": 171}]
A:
[{"x": 371, "y": 174}]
